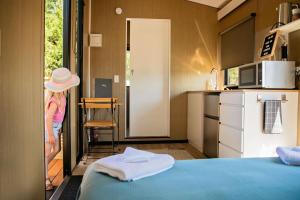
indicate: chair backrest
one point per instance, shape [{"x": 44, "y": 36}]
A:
[
  {"x": 98, "y": 103},
  {"x": 99, "y": 100}
]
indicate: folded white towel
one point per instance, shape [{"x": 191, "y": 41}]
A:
[
  {"x": 133, "y": 155},
  {"x": 145, "y": 164}
]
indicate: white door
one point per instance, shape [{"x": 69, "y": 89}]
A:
[{"x": 149, "y": 87}]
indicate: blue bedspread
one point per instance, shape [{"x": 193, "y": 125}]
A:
[{"x": 211, "y": 179}]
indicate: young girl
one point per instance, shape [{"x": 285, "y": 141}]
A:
[{"x": 57, "y": 87}]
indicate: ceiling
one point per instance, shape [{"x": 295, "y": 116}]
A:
[{"x": 212, "y": 3}]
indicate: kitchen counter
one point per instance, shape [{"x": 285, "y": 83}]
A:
[{"x": 242, "y": 90}]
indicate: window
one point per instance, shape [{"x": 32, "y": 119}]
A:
[{"x": 233, "y": 76}]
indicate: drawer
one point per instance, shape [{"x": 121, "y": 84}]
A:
[
  {"x": 231, "y": 137},
  {"x": 211, "y": 104},
  {"x": 234, "y": 98},
  {"x": 226, "y": 152},
  {"x": 211, "y": 137},
  {"x": 232, "y": 116}
]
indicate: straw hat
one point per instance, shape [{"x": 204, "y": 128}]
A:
[{"x": 62, "y": 79}]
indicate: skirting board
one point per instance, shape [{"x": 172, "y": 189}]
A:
[{"x": 144, "y": 142}]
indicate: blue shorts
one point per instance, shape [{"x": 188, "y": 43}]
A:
[{"x": 56, "y": 128}]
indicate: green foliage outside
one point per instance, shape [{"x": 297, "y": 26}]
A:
[
  {"x": 53, "y": 36},
  {"x": 234, "y": 76}
]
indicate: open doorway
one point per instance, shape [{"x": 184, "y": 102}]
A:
[
  {"x": 63, "y": 49},
  {"x": 57, "y": 55}
]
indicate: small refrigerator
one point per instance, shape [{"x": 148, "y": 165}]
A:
[{"x": 211, "y": 124}]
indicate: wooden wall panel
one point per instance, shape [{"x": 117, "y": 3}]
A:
[
  {"x": 21, "y": 100},
  {"x": 193, "y": 48},
  {"x": 86, "y": 50}
]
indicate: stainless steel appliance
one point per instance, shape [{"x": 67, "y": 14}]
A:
[
  {"x": 268, "y": 74},
  {"x": 284, "y": 13},
  {"x": 211, "y": 124}
]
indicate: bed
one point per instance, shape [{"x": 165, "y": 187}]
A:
[{"x": 209, "y": 179}]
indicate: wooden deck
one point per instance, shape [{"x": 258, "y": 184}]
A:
[{"x": 55, "y": 171}]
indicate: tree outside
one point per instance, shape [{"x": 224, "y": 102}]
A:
[{"x": 53, "y": 36}]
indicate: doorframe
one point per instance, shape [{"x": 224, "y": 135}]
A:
[
  {"x": 66, "y": 63},
  {"x": 67, "y": 21},
  {"x": 80, "y": 8}
]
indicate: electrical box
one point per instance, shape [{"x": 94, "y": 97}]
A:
[{"x": 95, "y": 40}]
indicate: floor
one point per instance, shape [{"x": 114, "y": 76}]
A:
[
  {"x": 180, "y": 151},
  {"x": 56, "y": 172},
  {"x": 55, "y": 168}
]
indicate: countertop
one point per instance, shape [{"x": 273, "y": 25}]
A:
[{"x": 242, "y": 90}]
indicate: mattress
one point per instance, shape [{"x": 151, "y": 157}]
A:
[{"x": 209, "y": 179}]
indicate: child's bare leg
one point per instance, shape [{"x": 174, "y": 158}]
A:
[
  {"x": 47, "y": 153},
  {"x": 53, "y": 151}
]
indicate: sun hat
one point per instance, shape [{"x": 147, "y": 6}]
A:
[{"x": 62, "y": 79}]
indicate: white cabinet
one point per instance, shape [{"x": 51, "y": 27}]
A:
[
  {"x": 228, "y": 152},
  {"x": 231, "y": 137},
  {"x": 232, "y": 98},
  {"x": 195, "y": 119},
  {"x": 241, "y": 123},
  {"x": 232, "y": 115},
  {"x": 211, "y": 104}
]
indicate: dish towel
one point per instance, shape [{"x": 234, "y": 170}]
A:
[
  {"x": 134, "y": 164},
  {"x": 289, "y": 155},
  {"x": 272, "y": 117}
]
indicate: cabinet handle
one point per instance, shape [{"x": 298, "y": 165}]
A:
[{"x": 220, "y": 122}]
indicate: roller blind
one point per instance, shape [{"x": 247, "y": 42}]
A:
[{"x": 237, "y": 44}]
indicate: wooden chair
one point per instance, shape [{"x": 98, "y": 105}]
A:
[{"x": 89, "y": 125}]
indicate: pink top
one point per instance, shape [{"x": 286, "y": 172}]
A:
[{"x": 58, "y": 116}]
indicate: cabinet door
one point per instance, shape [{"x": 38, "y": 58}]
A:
[
  {"x": 231, "y": 137},
  {"x": 232, "y": 116},
  {"x": 256, "y": 142}
]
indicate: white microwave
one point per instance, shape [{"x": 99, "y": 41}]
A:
[{"x": 268, "y": 74}]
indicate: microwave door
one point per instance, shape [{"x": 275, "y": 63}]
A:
[{"x": 248, "y": 77}]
